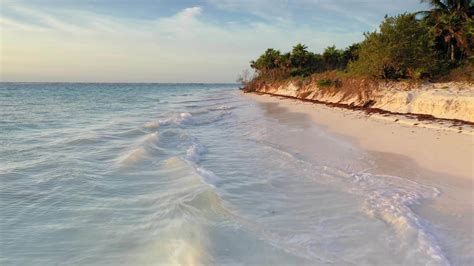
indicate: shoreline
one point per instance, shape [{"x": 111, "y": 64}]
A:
[
  {"x": 438, "y": 145},
  {"x": 428, "y": 153},
  {"x": 383, "y": 113},
  {"x": 451, "y": 102}
]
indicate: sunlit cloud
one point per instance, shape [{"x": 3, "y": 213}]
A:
[{"x": 74, "y": 44}]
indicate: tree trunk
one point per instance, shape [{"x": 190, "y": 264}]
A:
[{"x": 452, "y": 51}]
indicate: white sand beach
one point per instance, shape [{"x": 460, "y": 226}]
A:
[
  {"x": 426, "y": 152},
  {"x": 442, "y": 148}
]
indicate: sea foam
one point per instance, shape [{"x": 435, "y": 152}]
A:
[
  {"x": 178, "y": 119},
  {"x": 194, "y": 153},
  {"x": 133, "y": 156},
  {"x": 193, "y": 156},
  {"x": 208, "y": 177},
  {"x": 389, "y": 199}
]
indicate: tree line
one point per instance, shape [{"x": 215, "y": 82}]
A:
[{"x": 417, "y": 45}]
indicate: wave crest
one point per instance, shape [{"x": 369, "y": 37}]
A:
[
  {"x": 389, "y": 199},
  {"x": 181, "y": 118},
  {"x": 194, "y": 153},
  {"x": 133, "y": 156}
]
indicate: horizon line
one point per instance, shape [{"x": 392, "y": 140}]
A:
[{"x": 115, "y": 82}]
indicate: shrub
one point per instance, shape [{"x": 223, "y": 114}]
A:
[
  {"x": 439, "y": 46},
  {"x": 322, "y": 83},
  {"x": 402, "y": 49}
]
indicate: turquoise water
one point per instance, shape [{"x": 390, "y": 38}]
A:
[{"x": 173, "y": 174}]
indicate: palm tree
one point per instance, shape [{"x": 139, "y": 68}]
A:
[
  {"x": 268, "y": 60},
  {"x": 299, "y": 55},
  {"x": 452, "y": 24}
]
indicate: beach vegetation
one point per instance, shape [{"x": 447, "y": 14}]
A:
[
  {"x": 435, "y": 44},
  {"x": 452, "y": 27},
  {"x": 402, "y": 48},
  {"x": 245, "y": 77},
  {"x": 324, "y": 83}
]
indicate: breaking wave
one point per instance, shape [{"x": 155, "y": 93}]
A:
[
  {"x": 181, "y": 118},
  {"x": 389, "y": 198},
  {"x": 133, "y": 156},
  {"x": 198, "y": 183},
  {"x": 193, "y": 156},
  {"x": 184, "y": 119}
]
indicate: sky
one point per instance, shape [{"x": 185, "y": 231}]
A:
[{"x": 171, "y": 40}]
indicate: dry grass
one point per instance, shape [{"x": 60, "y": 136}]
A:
[{"x": 462, "y": 73}]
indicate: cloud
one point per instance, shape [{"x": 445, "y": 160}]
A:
[
  {"x": 55, "y": 44},
  {"x": 189, "y": 14},
  {"x": 270, "y": 10},
  {"x": 9, "y": 23},
  {"x": 42, "y": 19},
  {"x": 366, "y": 12}
]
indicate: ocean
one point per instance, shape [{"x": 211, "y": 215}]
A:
[{"x": 193, "y": 174}]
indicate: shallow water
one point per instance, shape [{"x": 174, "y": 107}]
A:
[{"x": 194, "y": 174}]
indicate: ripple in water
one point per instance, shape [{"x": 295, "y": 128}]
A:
[{"x": 191, "y": 175}]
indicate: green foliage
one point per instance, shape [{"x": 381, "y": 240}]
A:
[
  {"x": 301, "y": 62},
  {"x": 451, "y": 24},
  {"x": 425, "y": 44},
  {"x": 402, "y": 49},
  {"x": 324, "y": 83},
  {"x": 269, "y": 60},
  {"x": 333, "y": 58},
  {"x": 351, "y": 53},
  {"x": 304, "y": 63},
  {"x": 299, "y": 56}
]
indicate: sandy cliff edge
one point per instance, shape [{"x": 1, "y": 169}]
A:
[{"x": 449, "y": 100}]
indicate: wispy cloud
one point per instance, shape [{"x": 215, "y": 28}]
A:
[
  {"x": 57, "y": 43},
  {"x": 366, "y": 12},
  {"x": 189, "y": 14}
]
